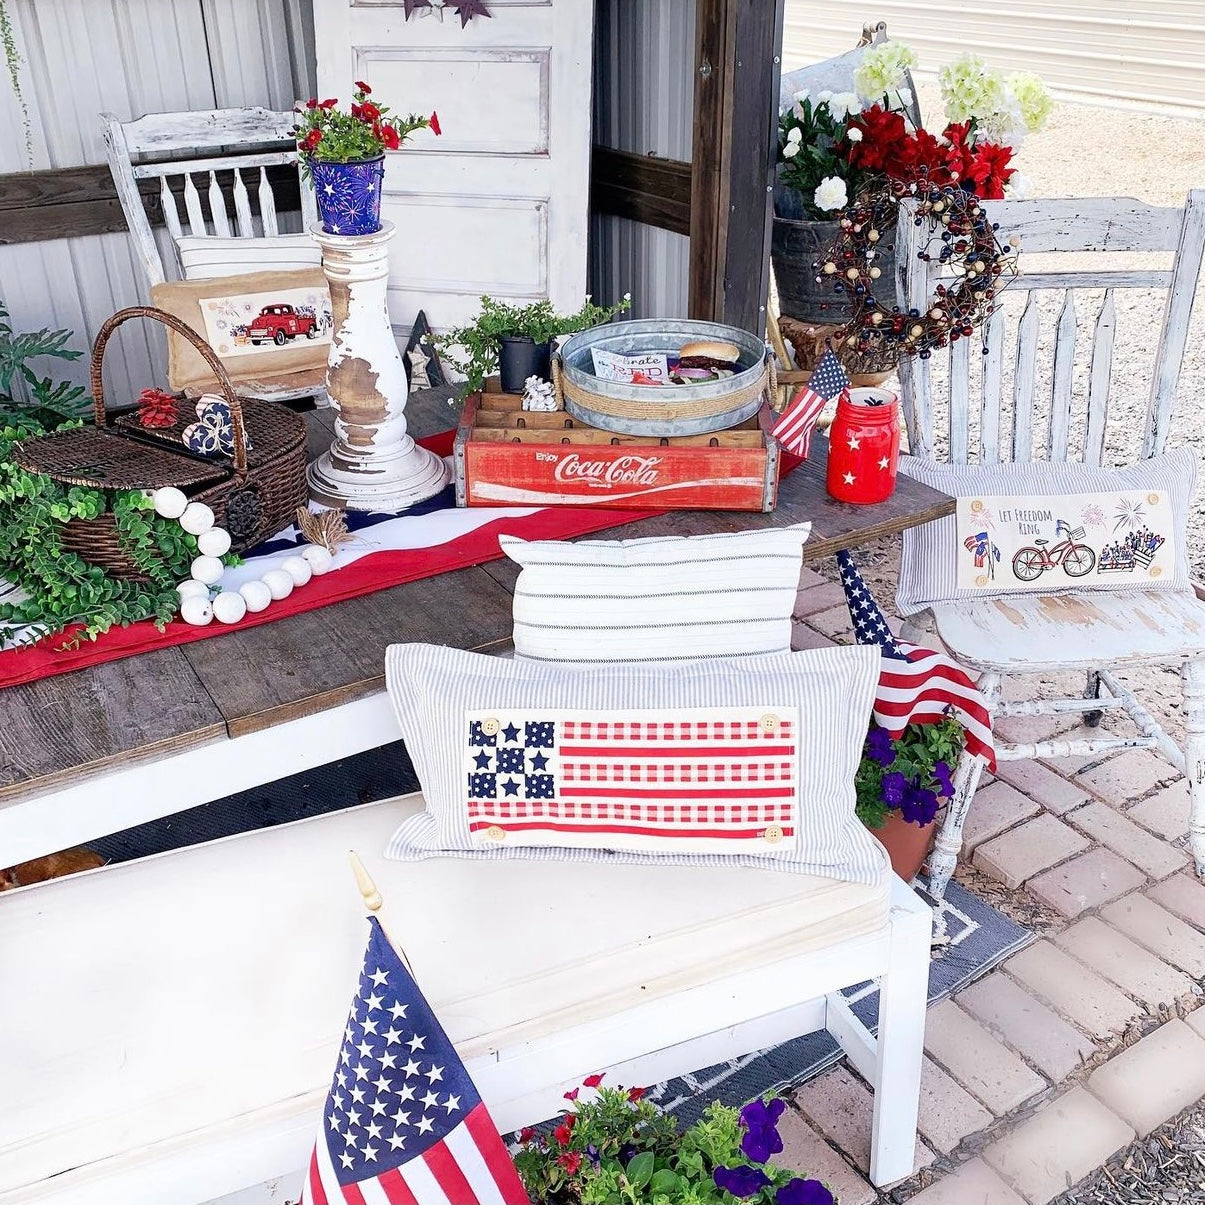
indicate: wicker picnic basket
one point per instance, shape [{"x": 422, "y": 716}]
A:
[{"x": 254, "y": 494}]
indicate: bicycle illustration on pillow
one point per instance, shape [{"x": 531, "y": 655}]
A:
[{"x": 1076, "y": 558}]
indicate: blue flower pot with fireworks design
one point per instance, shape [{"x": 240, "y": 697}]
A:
[{"x": 349, "y": 195}]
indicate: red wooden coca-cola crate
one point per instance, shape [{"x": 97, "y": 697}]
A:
[{"x": 508, "y": 456}]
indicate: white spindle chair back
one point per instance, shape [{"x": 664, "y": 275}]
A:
[
  {"x": 1052, "y": 411},
  {"x": 214, "y": 160}
]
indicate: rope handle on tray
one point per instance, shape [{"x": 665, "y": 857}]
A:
[
  {"x": 557, "y": 390},
  {"x": 203, "y": 349}
]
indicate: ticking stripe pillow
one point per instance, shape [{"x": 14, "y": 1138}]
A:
[
  {"x": 659, "y": 599},
  {"x": 1051, "y": 528},
  {"x": 203, "y": 257},
  {"x": 749, "y": 760}
]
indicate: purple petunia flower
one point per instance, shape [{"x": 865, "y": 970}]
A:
[
  {"x": 593, "y": 1155},
  {"x": 919, "y": 805},
  {"x": 941, "y": 771},
  {"x": 880, "y": 747},
  {"x": 741, "y": 1181},
  {"x": 803, "y": 1192},
  {"x": 894, "y": 784},
  {"x": 761, "y": 1138}
]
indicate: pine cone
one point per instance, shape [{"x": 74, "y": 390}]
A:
[{"x": 157, "y": 408}]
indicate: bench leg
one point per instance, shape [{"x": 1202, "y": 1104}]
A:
[{"x": 903, "y": 994}]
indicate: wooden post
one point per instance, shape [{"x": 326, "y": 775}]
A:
[
  {"x": 737, "y": 68},
  {"x": 373, "y": 463}
]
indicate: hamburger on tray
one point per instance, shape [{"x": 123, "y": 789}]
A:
[{"x": 694, "y": 363}]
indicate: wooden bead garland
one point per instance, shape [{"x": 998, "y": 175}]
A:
[
  {"x": 198, "y": 606},
  {"x": 969, "y": 247}
]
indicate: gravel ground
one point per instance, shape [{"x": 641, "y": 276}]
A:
[
  {"x": 1089, "y": 151},
  {"x": 1167, "y": 1166}
]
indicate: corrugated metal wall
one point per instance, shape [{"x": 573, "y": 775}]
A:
[
  {"x": 129, "y": 58},
  {"x": 1149, "y": 55},
  {"x": 644, "y": 103}
]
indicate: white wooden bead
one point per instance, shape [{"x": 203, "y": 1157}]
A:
[
  {"x": 317, "y": 557},
  {"x": 197, "y": 611},
  {"x": 197, "y": 517},
  {"x": 229, "y": 607},
  {"x": 256, "y": 595},
  {"x": 207, "y": 569},
  {"x": 192, "y": 589},
  {"x": 169, "y": 502},
  {"x": 298, "y": 568},
  {"x": 214, "y": 542},
  {"x": 278, "y": 582}
]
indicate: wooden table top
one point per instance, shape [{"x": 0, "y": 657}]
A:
[{"x": 63, "y": 729}]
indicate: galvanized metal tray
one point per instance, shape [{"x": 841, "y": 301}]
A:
[{"x": 662, "y": 409}]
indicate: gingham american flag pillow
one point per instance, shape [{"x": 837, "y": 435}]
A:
[{"x": 701, "y": 762}]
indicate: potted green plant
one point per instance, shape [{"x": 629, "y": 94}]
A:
[
  {"x": 900, "y": 784},
  {"x": 343, "y": 153},
  {"x": 618, "y": 1146},
  {"x": 517, "y": 339}
]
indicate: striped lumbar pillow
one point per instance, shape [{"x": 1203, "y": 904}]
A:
[
  {"x": 703, "y": 762},
  {"x": 659, "y": 599},
  {"x": 1052, "y": 528},
  {"x": 203, "y": 257}
]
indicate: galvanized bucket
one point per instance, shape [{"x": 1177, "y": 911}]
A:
[{"x": 661, "y": 409}]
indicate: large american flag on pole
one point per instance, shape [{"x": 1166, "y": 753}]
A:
[
  {"x": 403, "y": 1124},
  {"x": 683, "y": 779},
  {"x": 916, "y": 684},
  {"x": 794, "y": 429}
]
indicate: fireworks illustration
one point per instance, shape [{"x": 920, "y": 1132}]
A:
[
  {"x": 1093, "y": 516},
  {"x": 1129, "y": 514}
]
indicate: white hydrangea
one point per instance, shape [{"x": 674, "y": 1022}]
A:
[
  {"x": 882, "y": 69},
  {"x": 969, "y": 88},
  {"x": 1018, "y": 187},
  {"x": 1033, "y": 101},
  {"x": 831, "y": 194},
  {"x": 842, "y": 104}
]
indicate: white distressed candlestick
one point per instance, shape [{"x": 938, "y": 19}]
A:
[{"x": 373, "y": 463}]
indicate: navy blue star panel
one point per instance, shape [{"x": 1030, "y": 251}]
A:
[{"x": 402, "y": 1113}]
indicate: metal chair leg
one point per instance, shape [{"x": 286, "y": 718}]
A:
[
  {"x": 1092, "y": 691},
  {"x": 1193, "y": 673}
]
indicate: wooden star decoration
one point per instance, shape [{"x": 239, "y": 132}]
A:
[
  {"x": 411, "y": 5},
  {"x": 469, "y": 9}
]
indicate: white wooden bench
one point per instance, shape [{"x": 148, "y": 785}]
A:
[{"x": 168, "y": 1027}]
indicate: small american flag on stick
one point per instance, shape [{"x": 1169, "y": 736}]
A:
[
  {"x": 403, "y": 1123},
  {"x": 916, "y": 684},
  {"x": 794, "y": 429}
]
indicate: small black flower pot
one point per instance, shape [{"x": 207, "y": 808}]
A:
[{"x": 520, "y": 357}]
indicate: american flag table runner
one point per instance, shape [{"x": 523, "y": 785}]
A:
[
  {"x": 916, "y": 684},
  {"x": 403, "y": 1123},
  {"x": 691, "y": 780}
]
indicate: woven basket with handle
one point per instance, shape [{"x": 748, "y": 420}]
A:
[{"x": 253, "y": 494}]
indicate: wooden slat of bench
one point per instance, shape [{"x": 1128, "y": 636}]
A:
[
  {"x": 59, "y": 730},
  {"x": 307, "y": 663}
]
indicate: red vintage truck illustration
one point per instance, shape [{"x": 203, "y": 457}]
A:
[{"x": 281, "y": 324}]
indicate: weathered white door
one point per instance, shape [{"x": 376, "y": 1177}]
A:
[{"x": 497, "y": 204}]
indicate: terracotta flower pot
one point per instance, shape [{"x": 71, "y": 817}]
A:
[{"x": 907, "y": 845}]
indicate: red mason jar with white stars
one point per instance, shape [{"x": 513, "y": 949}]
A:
[{"x": 864, "y": 446}]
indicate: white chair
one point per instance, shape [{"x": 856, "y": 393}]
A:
[
  {"x": 232, "y": 222},
  {"x": 1019, "y": 635},
  {"x": 189, "y": 1007}
]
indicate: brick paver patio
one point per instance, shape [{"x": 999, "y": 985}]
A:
[{"x": 1036, "y": 1074}]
